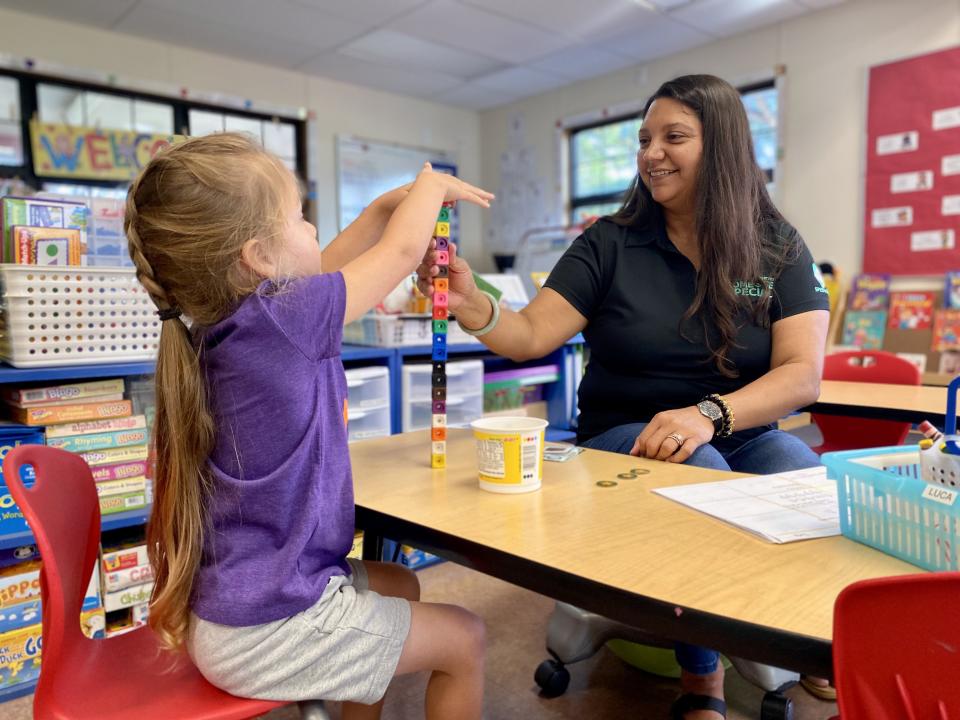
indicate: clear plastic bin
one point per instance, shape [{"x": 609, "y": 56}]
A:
[
  {"x": 461, "y": 411},
  {"x": 464, "y": 377},
  {"x": 368, "y": 387},
  {"x": 367, "y": 423}
]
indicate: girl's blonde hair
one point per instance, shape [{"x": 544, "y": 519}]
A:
[{"x": 188, "y": 215}]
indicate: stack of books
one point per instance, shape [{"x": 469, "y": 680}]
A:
[{"x": 93, "y": 420}]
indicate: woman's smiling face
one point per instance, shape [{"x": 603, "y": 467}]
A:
[{"x": 671, "y": 147}]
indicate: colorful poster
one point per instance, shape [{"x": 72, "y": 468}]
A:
[
  {"x": 66, "y": 151},
  {"x": 912, "y": 165},
  {"x": 911, "y": 310}
]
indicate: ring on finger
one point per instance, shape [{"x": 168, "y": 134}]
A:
[{"x": 678, "y": 439}]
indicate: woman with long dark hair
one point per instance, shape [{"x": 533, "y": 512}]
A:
[{"x": 705, "y": 314}]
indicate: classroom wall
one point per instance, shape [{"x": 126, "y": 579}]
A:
[
  {"x": 340, "y": 108},
  {"x": 827, "y": 55}
]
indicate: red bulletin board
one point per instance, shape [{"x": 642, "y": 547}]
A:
[{"x": 912, "y": 219}]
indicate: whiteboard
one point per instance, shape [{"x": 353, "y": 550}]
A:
[{"x": 369, "y": 168}]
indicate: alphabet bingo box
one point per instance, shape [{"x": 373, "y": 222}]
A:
[{"x": 885, "y": 503}]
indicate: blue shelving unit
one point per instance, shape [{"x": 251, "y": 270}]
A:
[
  {"x": 10, "y": 374},
  {"x": 16, "y": 691},
  {"x": 107, "y": 522}
]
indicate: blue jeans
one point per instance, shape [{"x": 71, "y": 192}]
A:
[{"x": 756, "y": 452}]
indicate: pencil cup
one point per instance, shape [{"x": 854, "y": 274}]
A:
[{"x": 509, "y": 453}]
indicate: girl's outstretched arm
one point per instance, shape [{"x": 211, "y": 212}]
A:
[
  {"x": 364, "y": 232},
  {"x": 374, "y": 273}
]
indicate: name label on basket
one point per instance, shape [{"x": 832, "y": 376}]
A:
[{"x": 940, "y": 494}]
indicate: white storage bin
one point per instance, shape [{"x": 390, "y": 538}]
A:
[
  {"x": 75, "y": 316},
  {"x": 368, "y": 387},
  {"x": 367, "y": 423},
  {"x": 461, "y": 411},
  {"x": 464, "y": 377}
]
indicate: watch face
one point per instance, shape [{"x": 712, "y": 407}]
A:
[{"x": 710, "y": 410}]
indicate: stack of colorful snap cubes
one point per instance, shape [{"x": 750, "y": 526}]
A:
[{"x": 441, "y": 286}]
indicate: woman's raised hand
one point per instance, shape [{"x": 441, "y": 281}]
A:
[{"x": 459, "y": 274}]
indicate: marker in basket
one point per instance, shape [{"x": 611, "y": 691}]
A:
[{"x": 929, "y": 431}]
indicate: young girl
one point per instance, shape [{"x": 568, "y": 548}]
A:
[{"x": 253, "y": 515}]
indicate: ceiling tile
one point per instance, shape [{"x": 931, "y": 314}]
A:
[
  {"x": 521, "y": 81},
  {"x": 368, "y": 12},
  {"x": 818, "y": 4},
  {"x": 281, "y": 20},
  {"x": 658, "y": 38},
  {"x": 401, "y": 50},
  {"x": 729, "y": 17},
  {"x": 179, "y": 29},
  {"x": 416, "y": 83},
  {"x": 100, "y": 13},
  {"x": 479, "y": 31},
  {"x": 475, "y": 97},
  {"x": 582, "y": 62},
  {"x": 574, "y": 18}
]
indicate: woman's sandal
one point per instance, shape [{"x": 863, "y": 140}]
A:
[
  {"x": 823, "y": 692},
  {"x": 688, "y": 702}
]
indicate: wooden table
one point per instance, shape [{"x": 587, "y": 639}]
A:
[
  {"x": 620, "y": 551},
  {"x": 906, "y": 403}
]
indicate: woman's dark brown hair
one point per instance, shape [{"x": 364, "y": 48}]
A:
[{"x": 739, "y": 230}]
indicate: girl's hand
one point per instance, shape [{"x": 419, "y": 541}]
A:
[
  {"x": 454, "y": 188},
  {"x": 673, "y": 435},
  {"x": 459, "y": 275}
]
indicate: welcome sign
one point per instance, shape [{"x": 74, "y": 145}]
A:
[{"x": 67, "y": 151}]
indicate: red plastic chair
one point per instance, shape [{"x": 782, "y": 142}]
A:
[
  {"x": 896, "y": 648},
  {"x": 869, "y": 366},
  {"x": 116, "y": 679}
]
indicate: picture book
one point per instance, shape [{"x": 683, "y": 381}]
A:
[
  {"x": 911, "y": 310},
  {"x": 951, "y": 290},
  {"x": 918, "y": 359},
  {"x": 946, "y": 330},
  {"x": 869, "y": 292},
  {"x": 864, "y": 328},
  {"x": 46, "y": 246},
  {"x": 40, "y": 212},
  {"x": 28, "y": 397}
]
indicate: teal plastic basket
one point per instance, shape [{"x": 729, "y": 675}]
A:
[{"x": 884, "y": 503}]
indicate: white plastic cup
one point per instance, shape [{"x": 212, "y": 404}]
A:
[{"x": 509, "y": 453}]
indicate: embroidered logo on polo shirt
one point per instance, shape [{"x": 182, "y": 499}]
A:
[
  {"x": 818, "y": 276},
  {"x": 752, "y": 289}
]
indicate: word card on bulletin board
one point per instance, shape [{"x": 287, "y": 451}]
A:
[
  {"x": 367, "y": 169},
  {"x": 913, "y": 166}
]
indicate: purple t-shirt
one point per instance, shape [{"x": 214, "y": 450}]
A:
[{"x": 281, "y": 515}]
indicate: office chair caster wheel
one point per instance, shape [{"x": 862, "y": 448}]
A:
[
  {"x": 776, "y": 707},
  {"x": 552, "y": 677}
]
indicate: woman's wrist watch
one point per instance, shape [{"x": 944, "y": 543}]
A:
[{"x": 711, "y": 410}]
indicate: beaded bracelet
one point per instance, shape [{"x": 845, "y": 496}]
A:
[{"x": 728, "y": 418}]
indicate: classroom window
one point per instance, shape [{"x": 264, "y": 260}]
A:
[
  {"x": 277, "y": 136},
  {"x": 603, "y": 156},
  {"x": 11, "y": 134}
]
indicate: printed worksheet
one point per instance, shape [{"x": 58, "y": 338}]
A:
[{"x": 780, "y": 508}]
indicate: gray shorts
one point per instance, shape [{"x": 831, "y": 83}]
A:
[{"x": 345, "y": 647}]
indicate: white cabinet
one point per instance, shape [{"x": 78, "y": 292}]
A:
[{"x": 368, "y": 403}]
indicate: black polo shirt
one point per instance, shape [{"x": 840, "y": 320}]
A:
[{"x": 634, "y": 286}]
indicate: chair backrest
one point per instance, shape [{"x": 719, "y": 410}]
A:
[
  {"x": 868, "y": 366},
  {"x": 64, "y": 515},
  {"x": 896, "y": 648}
]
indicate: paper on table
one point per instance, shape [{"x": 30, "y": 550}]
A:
[{"x": 780, "y": 508}]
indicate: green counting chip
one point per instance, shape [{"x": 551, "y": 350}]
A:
[
  {"x": 444, "y": 215},
  {"x": 440, "y": 327}
]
